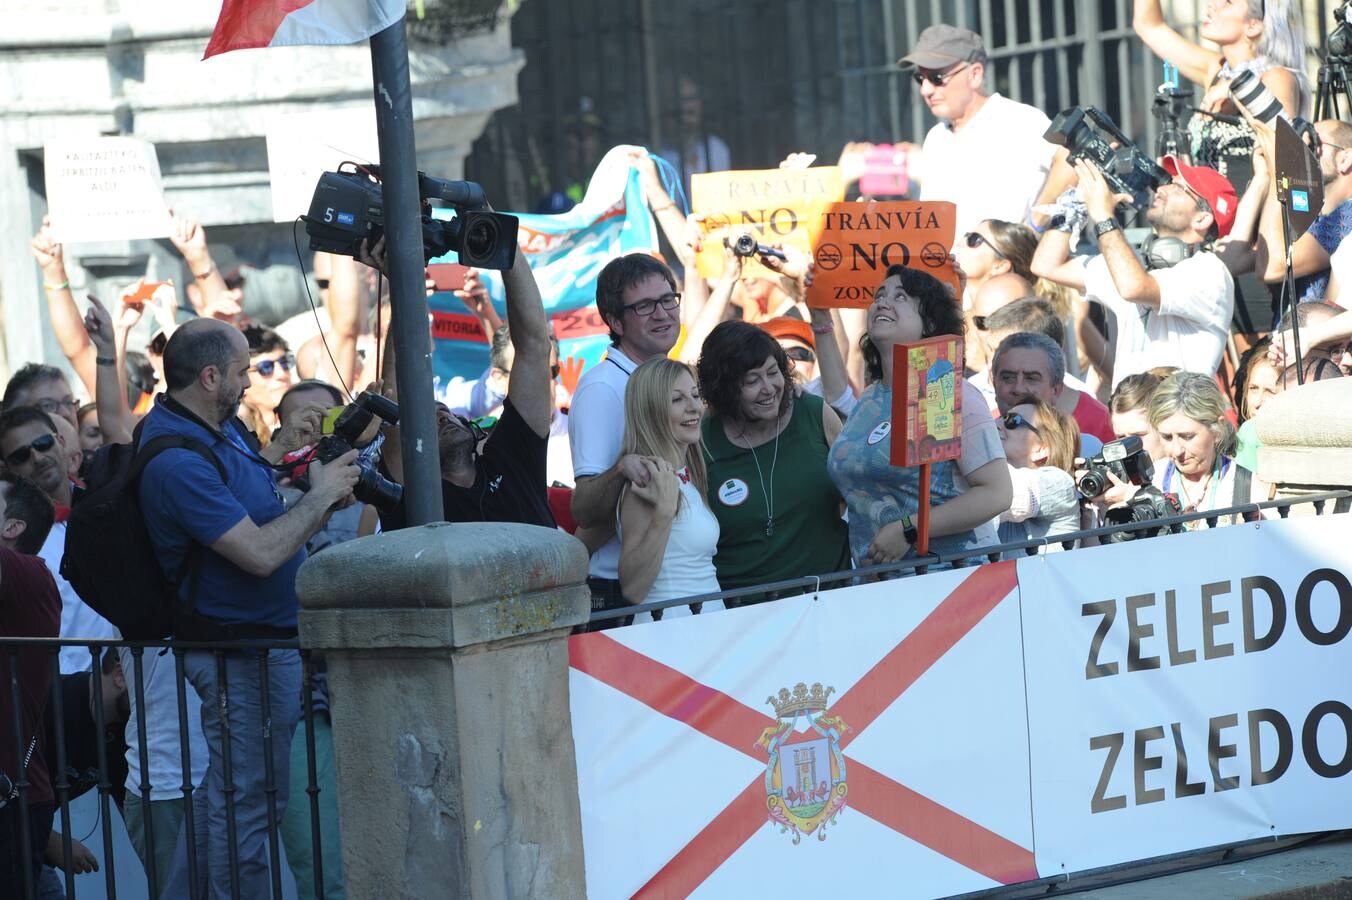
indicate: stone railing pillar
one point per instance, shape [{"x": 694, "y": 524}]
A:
[
  {"x": 447, "y": 662},
  {"x": 1306, "y": 435}
]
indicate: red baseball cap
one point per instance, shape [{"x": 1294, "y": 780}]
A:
[
  {"x": 1211, "y": 186},
  {"x": 789, "y": 328}
]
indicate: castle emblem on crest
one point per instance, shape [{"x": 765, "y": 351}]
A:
[{"x": 805, "y": 775}]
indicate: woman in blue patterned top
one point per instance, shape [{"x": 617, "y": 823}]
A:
[{"x": 966, "y": 494}]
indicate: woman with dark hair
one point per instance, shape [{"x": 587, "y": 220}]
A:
[
  {"x": 967, "y": 494},
  {"x": 766, "y": 443}
]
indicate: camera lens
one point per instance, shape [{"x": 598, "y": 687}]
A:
[
  {"x": 375, "y": 489},
  {"x": 480, "y": 238}
]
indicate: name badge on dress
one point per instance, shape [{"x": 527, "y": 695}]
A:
[{"x": 733, "y": 492}]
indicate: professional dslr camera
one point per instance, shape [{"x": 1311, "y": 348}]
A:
[
  {"x": 1127, "y": 460},
  {"x": 348, "y": 207},
  {"x": 352, "y": 422},
  {"x": 1089, "y": 134}
]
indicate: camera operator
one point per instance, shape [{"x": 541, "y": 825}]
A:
[
  {"x": 1166, "y": 314},
  {"x": 501, "y": 477},
  {"x": 245, "y": 581}
]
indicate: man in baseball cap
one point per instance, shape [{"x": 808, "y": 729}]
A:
[{"x": 987, "y": 154}]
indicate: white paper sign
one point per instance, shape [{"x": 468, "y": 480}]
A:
[
  {"x": 301, "y": 146},
  {"x": 105, "y": 188}
]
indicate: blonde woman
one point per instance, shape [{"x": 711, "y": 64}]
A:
[
  {"x": 1041, "y": 444},
  {"x": 667, "y": 534}
]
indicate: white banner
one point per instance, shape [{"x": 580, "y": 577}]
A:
[
  {"x": 302, "y": 146},
  {"x": 104, "y": 188},
  {"x": 872, "y": 735},
  {"x": 1189, "y": 691}
]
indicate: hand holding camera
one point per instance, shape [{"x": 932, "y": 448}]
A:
[{"x": 335, "y": 480}]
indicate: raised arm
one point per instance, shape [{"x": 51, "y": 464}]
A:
[
  {"x": 1194, "y": 62},
  {"x": 347, "y": 313},
  {"x": 110, "y": 394},
  {"x": 190, "y": 239},
  {"x": 530, "y": 386},
  {"x": 67, "y": 323},
  {"x": 714, "y": 311},
  {"x": 670, "y": 217}
]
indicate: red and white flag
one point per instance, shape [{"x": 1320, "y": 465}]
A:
[{"x": 278, "y": 23}]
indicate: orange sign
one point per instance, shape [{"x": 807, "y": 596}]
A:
[
  {"x": 774, "y": 206},
  {"x": 855, "y": 243},
  {"x": 927, "y": 401}
]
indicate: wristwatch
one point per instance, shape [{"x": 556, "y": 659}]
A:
[
  {"x": 1107, "y": 225},
  {"x": 908, "y": 530}
]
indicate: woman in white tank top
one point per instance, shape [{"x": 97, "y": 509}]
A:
[{"x": 667, "y": 534}]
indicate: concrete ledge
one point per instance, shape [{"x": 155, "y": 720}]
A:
[{"x": 1306, "y": 435}]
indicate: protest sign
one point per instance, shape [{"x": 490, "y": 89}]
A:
[
  {"x": 105, "y": 188},
  {"x": 928, "y": 406},
  {"x": 854, "y": 244},
  {"x": 304, "y": 145},
  {"x": 774, "y": 206}
]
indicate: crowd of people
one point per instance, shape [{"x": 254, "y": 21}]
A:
[{"x": 730, "y": 437}]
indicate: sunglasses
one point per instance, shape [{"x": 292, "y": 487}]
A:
[
  {"x": 800, "y": 354},
  {"x": 979, "y": 322},
  {"x": 266, "y": 367},
  {"x": 937, "y": 79},
  {"x": 645, "y": 308},
  {"x": 1015, "y": 421},
  {"x": 974, "y": 239},
  {"x": 20, "y": 455}
]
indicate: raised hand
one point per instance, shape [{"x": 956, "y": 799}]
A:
[
  {"x": 47, "y": 251},
  {"x": 98, "y": 323}
]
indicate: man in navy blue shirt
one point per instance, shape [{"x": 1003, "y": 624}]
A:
[{"x": 250, "y": 548}]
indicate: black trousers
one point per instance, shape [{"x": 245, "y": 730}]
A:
[{"x": 13, "y": 857}]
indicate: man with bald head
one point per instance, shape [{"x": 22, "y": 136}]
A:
[{"x": 242, "y": 548}]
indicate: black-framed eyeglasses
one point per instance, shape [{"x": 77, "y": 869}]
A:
[
  {"x": 645, "y": 308},
  {"x": 266, "y": 367},
  {"x": 974, "y": 239},
  {"x": 800, "y": 354},
  {"x": 19, "y": 455},
  {"x": 1015, "y": 421},
  {"x": 979, "y": 322},
  {"x": 48, "y": 405},
  {"x": 937, "y": 79}
]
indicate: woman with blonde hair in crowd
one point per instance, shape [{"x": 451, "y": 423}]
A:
[
  {"x": 1188, "y": 412},
  {"x": 1040, "y": 445},
  {"x": 667, "y": 533}
]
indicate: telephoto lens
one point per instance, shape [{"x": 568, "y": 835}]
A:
[{"x": 1250, "y": 93}]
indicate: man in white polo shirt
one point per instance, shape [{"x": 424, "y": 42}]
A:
[
  {"x": 1174, "y": 307},
  {"x": 987, "y": 153},
  {"x": 637, "y": 298}
]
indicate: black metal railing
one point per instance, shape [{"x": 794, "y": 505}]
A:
[
  {"x": 1341, "y": 501},
  {"x": 190, "y": 848}
]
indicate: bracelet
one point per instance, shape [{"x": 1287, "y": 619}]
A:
[
  {"x": 106, "y": 360},
  {"x": 56, "y": 287},
  {"x": 211, "y": 268},
  {"x": 825, "y": 328}
]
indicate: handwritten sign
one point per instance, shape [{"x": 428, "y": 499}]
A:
[
  {"x": 855, "y": 243},
  {"x": 302, "y": 146},
  {"x": 774, "y": 206},
  {"x": 105, "y": 188},
  {"x": 927, "y": 404}
]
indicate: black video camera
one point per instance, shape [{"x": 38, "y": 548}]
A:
[
  {"x": 1125, "y": 457},
  {"x": 746, "y": 246},
  {"x": 348, "y": 207},
  {"x": 352, "y": 422},
  {"x": 1089, "y": 134}
]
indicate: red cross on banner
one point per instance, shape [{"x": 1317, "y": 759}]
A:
[{"x": 793, "y": 799}]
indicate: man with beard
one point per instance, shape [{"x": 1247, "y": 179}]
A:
[
  {"x": 497, "y": 475},
  {"x": 1166, "y": 314},
  {"x": 31, "y": 447},
  {"x": 245, "y": 548}
]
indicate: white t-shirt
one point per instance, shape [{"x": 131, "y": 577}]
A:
[
  {"x": 993, "y": 168},
  {"x": 1189, "y": 330},
  {"x": 688, "y": 559},
  {"x": 1340, "y": 263},
  {"x": 77, "y": 619},
  {"x": 162, "y": 749},
  {"x": 596, "y": 433}
]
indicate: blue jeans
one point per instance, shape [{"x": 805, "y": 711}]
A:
[{"x": 243, "y": 711}]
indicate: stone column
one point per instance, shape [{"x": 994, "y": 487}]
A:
[
  {"x": 448, "y": 666},
  {"x": 1306, "y": 436}
]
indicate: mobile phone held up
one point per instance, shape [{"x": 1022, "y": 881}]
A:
[{"x": 447, "y": 276}]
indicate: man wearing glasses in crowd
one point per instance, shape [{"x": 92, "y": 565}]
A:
[
  {"x": 637, "y": 298},
  {"x": 987, "y": 153}
]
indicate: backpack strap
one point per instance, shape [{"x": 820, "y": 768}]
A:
[{"x": 192, "y": 560}]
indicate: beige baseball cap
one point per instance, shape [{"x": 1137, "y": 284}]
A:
[{"x": 941, "y": 46}]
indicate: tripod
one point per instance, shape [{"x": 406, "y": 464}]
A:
[{"x": 1333, "y": 83}]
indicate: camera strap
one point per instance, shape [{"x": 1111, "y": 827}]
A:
[{"x": 178, "y": 409}]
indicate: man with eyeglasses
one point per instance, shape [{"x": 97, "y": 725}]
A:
[
  {"x": 1167, "y": 310},
  {"x": 31, "y": 448},
  {"x": 637, "y": 298},
  {"x": 986, "y": 154},
  {"x": 44, "y": 387}
]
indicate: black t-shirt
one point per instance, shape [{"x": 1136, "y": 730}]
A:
[
  {"x": 82, "y": 740},
  {"x": 509, "y": 482}
]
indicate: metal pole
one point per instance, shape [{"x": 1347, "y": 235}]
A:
[{"x": 403, "y": 248}]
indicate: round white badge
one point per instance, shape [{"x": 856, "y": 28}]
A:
[
  {"x": 733, "y": 492},
  {"x": 882, "y": 431}
]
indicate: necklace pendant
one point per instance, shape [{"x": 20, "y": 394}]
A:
[{"x": 769, "y": 526}]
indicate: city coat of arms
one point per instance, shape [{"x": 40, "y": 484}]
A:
[{"x": 805, "y": 775}]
